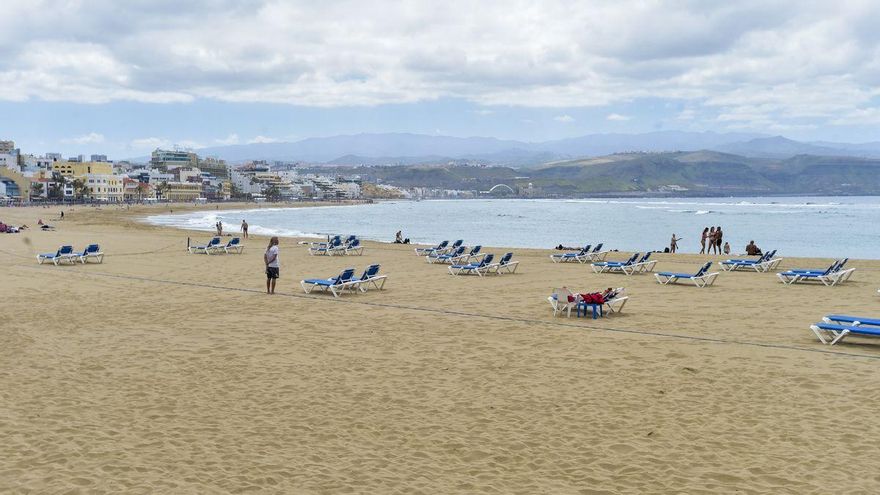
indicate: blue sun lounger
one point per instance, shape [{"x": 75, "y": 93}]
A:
[
  {"x": 336, "y": 285},
  {"x": 765, "y": 263},
  {"x": 93, "y": 251},
  {"x": 445, "y": 258},
  {"x": 831, "y": 276},
  {"x": 438, "y": 249},
  {"x": 835, "y": 328},
  {"x": 626, "y": 267},
  {"x": 580, "y": 256},
  {"x": 233, "y": 245},
  {"x": 325, "y": 248},
  {"x": 480, "y": 268},
  {"x": 597, "y": 254},
  {"x": 701, "y": 279},
  {"x": 371, "y": 277},
  {"x": 64, "y": 254},
  {"x": 504, "y": 265},
  {"x": 205, "y": 248}
]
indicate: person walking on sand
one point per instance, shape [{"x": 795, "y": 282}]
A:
[
  {"x": 703, "y": 240},
  {"x": 244, "y": 227},
  {"x": 673, "y": 244},
  {"x": 710, "y": 240},
  {"x": 272, "y": 265}
]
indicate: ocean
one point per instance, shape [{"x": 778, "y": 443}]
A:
[{"x": 796, "y": 226}]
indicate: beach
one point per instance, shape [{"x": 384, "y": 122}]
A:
[{"x": 160, "y": 371}]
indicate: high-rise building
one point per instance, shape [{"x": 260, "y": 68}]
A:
[
  {"x": 7, "y": 146},
  {"x": 165, "y": 160},
  {"x": 98, "y": 158}
]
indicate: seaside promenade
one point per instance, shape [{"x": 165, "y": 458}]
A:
[{"x": 161, "y": 371}]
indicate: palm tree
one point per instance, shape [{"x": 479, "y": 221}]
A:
[
  {"x": 36, "y": 189},
  {"x": 160, "y": 189},
  {"x": 56, "y": 188},
  {"x": 79, "y": 188}
]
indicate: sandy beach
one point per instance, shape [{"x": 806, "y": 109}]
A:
[{"x": 159, "y": 371}]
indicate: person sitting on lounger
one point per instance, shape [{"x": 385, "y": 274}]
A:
[
  {"x": 752, "y": 249},
  {"x": 398, "y": 237}
]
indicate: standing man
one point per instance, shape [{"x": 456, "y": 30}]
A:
[
  {"x": 673, "y": 244},
  {"x": 244, "y": 227},
  {"x": 272, "y": 265}
]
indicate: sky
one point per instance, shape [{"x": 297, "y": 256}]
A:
[{"x": 122, "y": 78}]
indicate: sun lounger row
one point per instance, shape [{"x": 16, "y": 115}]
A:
[
  {"x": 485, "y": 265},
  {"x": 701, "y": 278},
  {"x": 347, "y": 281},
  {"x": 834, "y": 328},
  {"x": 633, "y": 265},
  {"x": 337, "y": 247},
  {"x": 833, "y": 275},
  {"x": 456, "y": 256},
  {"x": 768, "y": 261},
  {"x": 216, "y": 246},
  {"x": 564, "y": 300},
  {"x": 66, "y": 254},
  {"x": 582, "y": 256},
  {"x": 440, "y": 249}
]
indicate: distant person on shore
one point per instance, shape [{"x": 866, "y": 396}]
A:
[
  {"x": 398, "y": 237},
  {"x": 244, "y": 227},
  {"x": 219, "y": 228},
  {"x": 718, "y": 238},
  {"x": 673, "y": 244},
  {"x": 272, "y": 265},
  {"x": 62, "y": 214},
  {"x": 710, "y": 241},
  {"x": 726, "y": 248},
  {"x": 752, "y": 249},
  {"x": 703, "y": 239}
]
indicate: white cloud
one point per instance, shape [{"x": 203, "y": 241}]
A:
[
  {"x": 729, "y": 58},
  {"x": 149, "y": 143},
  {"x": 617, "y": 117},
  {"x": 483, "y": 112},
  {"x": 564, "y": 118},
  {"x": 228, "y": 140},
  {"x": 90, "y": 138},
  {"x": 262, "y": 139}
]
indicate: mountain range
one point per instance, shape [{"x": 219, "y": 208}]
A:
[{"x": 410, "y": 149}]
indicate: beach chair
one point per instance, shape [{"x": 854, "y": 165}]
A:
[
  {"x": 701, "y": 279},
  {"x": 504, "y": 265},
  {"x": 625, "y": 267},
  {"x": 831, "y": 276},
  {"x": 93, "y": 251},
  {"x": 445, "y": 258},
  {"x": 336, "y": 285},
  {"x": 481, "y": 267},
  {"x": 452, "y": 247},
  {"x": 470, "y": 257},
  {"x": 835, "y": 328},
  {"x": 580, "y": 256},
  {"x": 325, "y": 248},
  {"x": 233, "y": 245},
  {"x": 205, "y": 248},
  {"x": 354, "y": 248},
  {"x": 371, "y": 277},
  {"x": 766, "y": 262},
  {"x": 62, "y": 255},
  {"x": 617, "y": 300},
  {"x": 563, "y": 301},
  {"x": 432, "y": 250},
  {"x": 645, "y": 264},
  {"x": 597, "y": 254}
]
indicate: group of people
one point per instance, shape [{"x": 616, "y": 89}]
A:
[
  {"x": 244, "y": 228},
  {"x": 712, "y": 241}
]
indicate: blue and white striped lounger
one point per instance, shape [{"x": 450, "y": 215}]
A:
[
  {"x": 701, "y": 279},
  {"x": 371, "y": 277},
  {"x": 205, "y": 248},
  {"x": 835, "y": 328},
  {"x": 438, "y": 249},
  {"x": 504, "y": 265},
  {"x": 765, "y": 263},
  {"x": 446, "y": 258}
]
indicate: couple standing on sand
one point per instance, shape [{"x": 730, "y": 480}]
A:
[{"x": 712, "y": 240}]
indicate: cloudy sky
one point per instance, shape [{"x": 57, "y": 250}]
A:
[{"x": 124, "y": 77}]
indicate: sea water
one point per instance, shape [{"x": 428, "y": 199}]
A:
[{"x": 796, "y": 226}]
